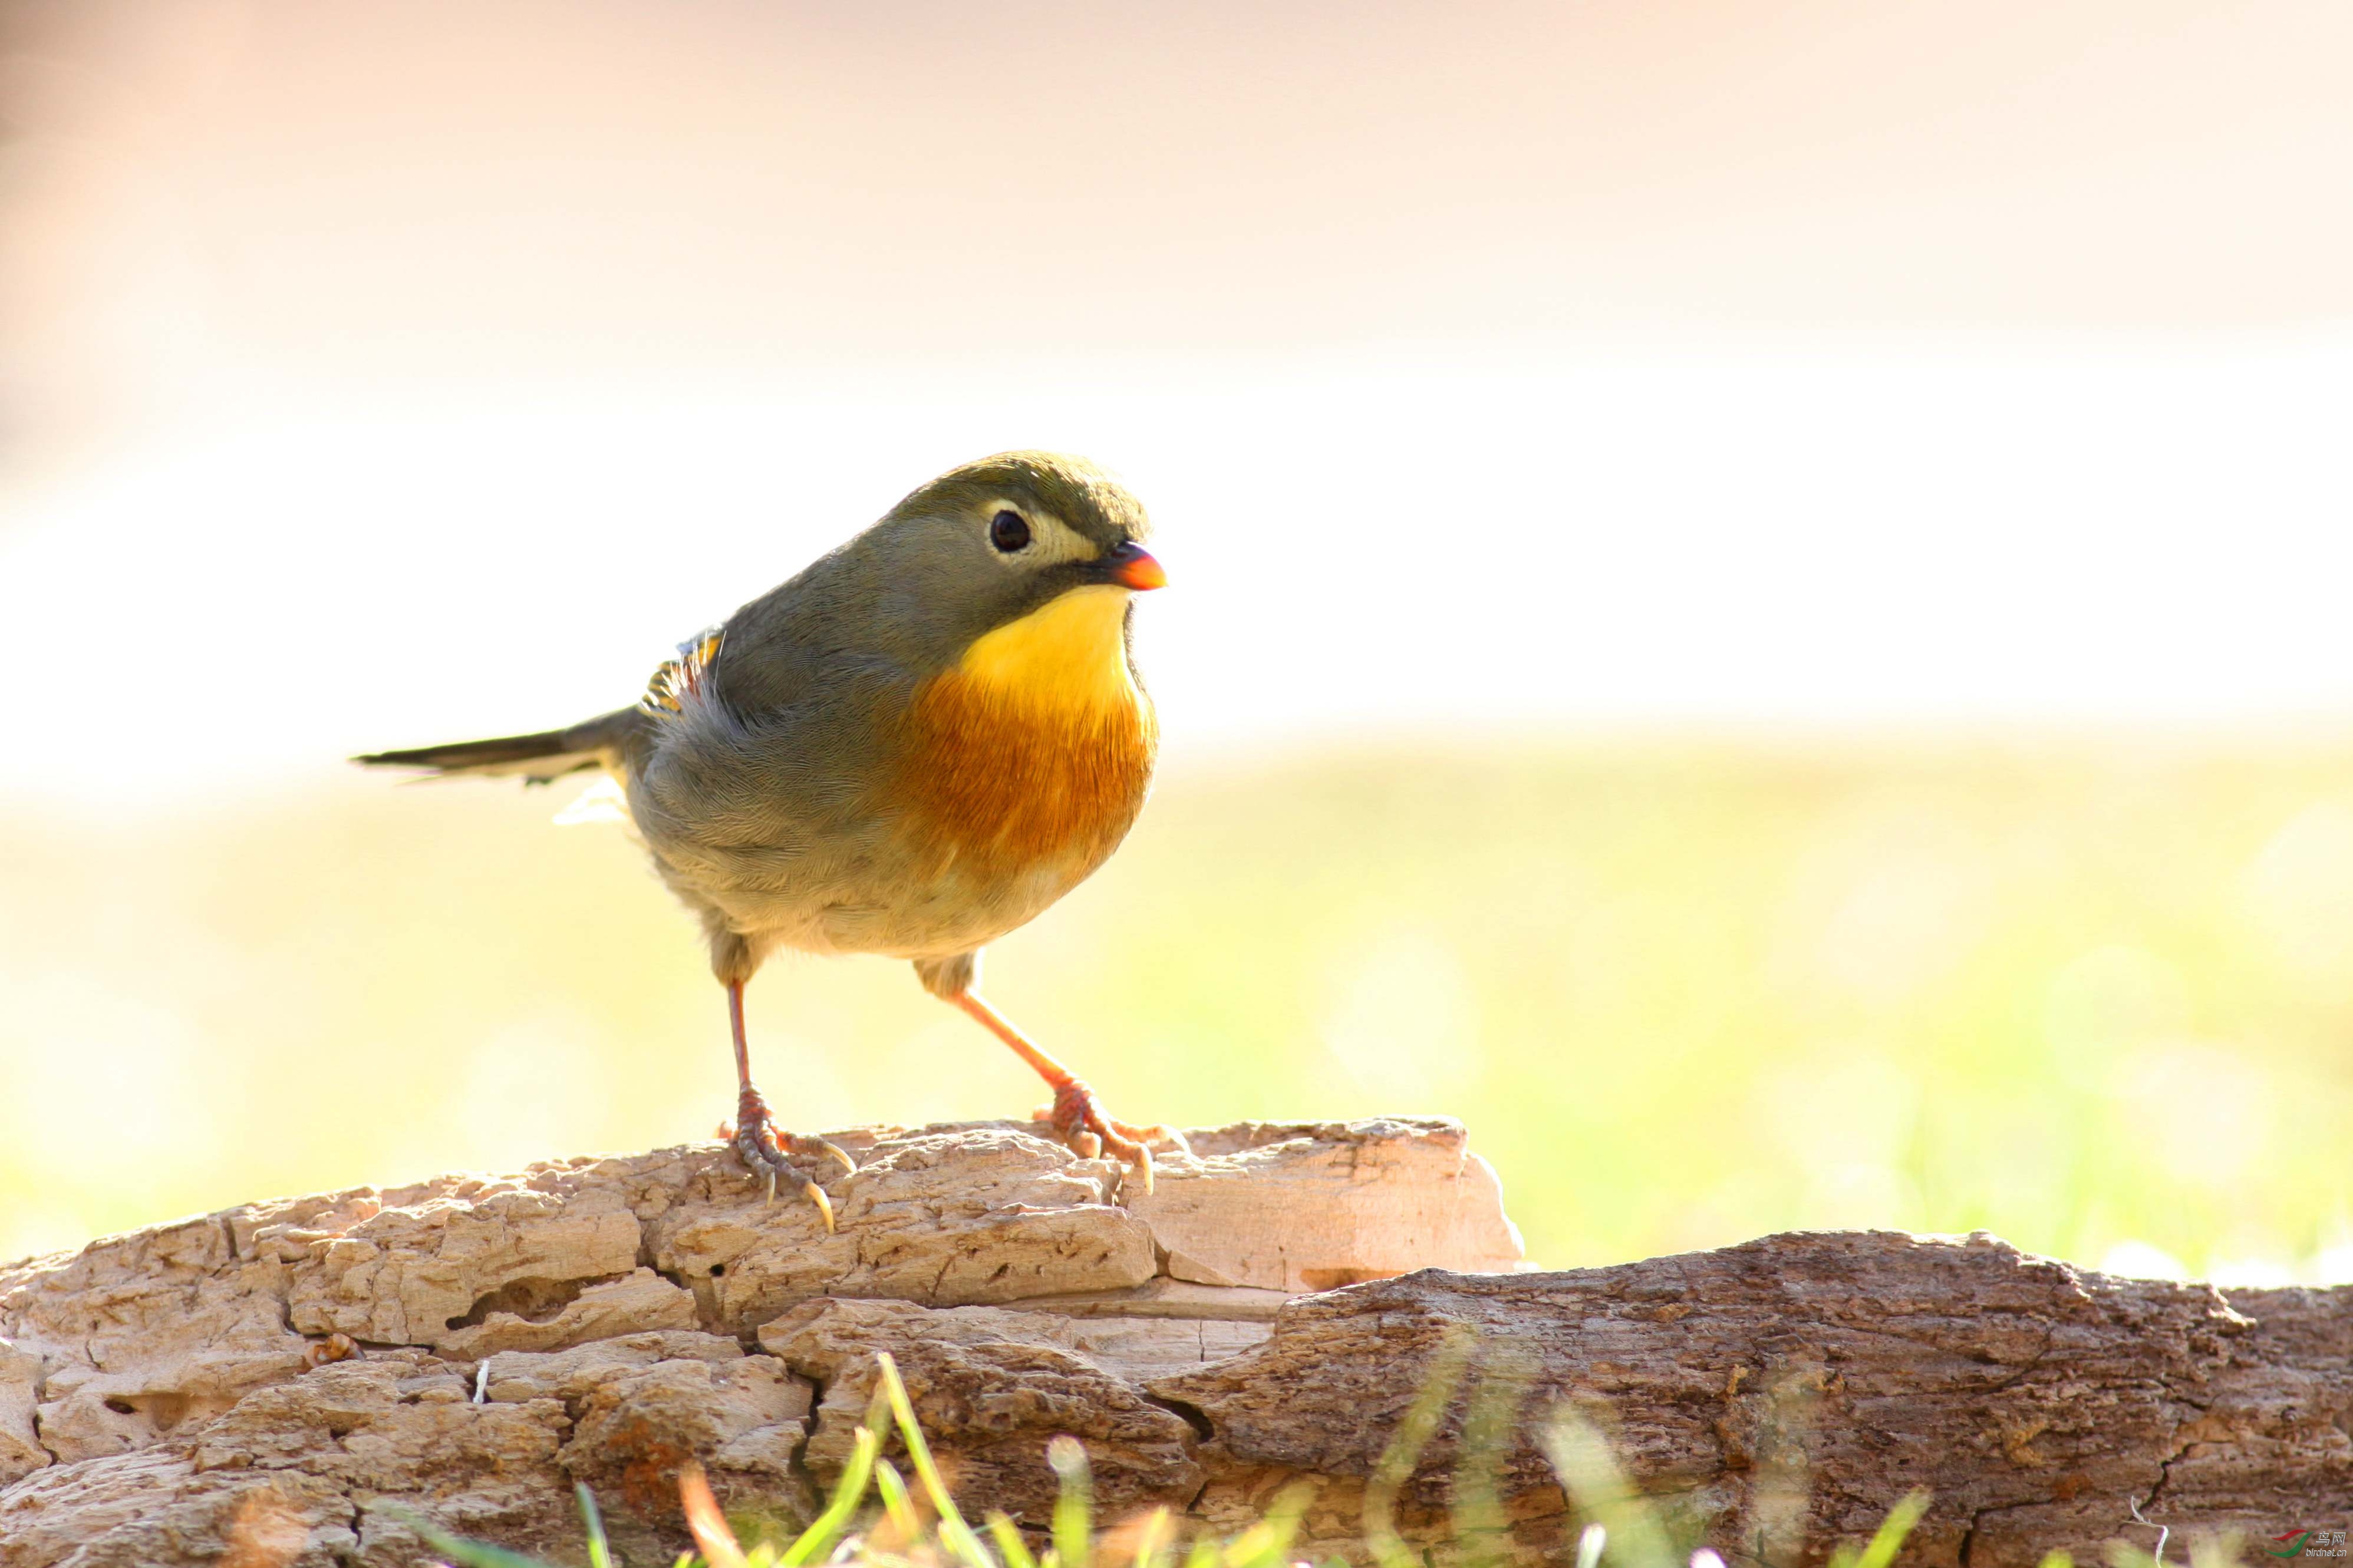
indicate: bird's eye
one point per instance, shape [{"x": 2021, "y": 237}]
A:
[{"x": 1008, "y": 531}]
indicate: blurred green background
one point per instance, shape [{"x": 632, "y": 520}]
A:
[
  {"x": 1934, "y": 417},
  {"x": 2087, "y": 993}
]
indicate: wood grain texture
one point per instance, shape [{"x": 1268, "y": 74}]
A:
[
  {"x": 1794, "y": 1388},
  {"x": 619, "y": 1315}
]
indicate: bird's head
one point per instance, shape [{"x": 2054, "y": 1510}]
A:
[{"x": 1021, "y": 568}]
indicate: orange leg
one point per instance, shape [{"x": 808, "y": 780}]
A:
[
  {"x": 1075, "y": 1114},
  {"x": 766, "y": 1148}
]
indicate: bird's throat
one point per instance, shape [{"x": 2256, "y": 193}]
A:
[
  {"x": 1024, "y": 765},
  {"x": 1067, "y": 659}
]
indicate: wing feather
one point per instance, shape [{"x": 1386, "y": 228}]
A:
[{"x": 681, "y": 680}]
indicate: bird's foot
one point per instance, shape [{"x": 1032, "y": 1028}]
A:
[
  {"x": 767, "y": 1149},
  {"x": 1080, "y": 1120}
]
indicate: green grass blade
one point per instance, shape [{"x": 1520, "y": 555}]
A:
[
  {"x": 1580, "y": 1456},
  {"x": 478, "y": 1554},
  {"x": 1489, "y": 1422},
  {"x": 1152, "y": 1539},
  {"x": 1414, "y": 1430},
  {"x": 1267, "y": 1543},
  {"x": 600, "y": 1551},
  {"x": 1009, "y": 1545},
  {"x": 1888, "y": 1539},
  {"x": 897, "y": 1506},
  {"x": 955, "y": 1535},
  {"x": 841, "y": 1507},
  {"x": 1074, "y": 1503},
  {"x": 1589, "y": 1542},
  {"x": 461, "y": 1552}
]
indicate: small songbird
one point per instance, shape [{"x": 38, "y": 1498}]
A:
[{"x": 913, "y": 747}]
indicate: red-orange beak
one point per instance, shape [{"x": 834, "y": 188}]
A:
[{"x": 1132, "y": 566}]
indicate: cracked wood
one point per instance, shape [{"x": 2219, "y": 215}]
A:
[{"x": 161, "y": 1400}]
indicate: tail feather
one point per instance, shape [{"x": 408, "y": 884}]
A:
[{"x": 534, "y": 758}]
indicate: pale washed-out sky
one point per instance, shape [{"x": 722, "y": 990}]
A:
[{"x": 382, "y": 375}]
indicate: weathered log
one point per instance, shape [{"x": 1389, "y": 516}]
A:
[
  {"x": 1794, "y": 1388},
  {"x": 161, "y": 1400}
]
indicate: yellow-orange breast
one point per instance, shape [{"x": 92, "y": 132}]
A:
[
  {"x": 998, "y": 791},
  {"x": 1029, "y": 761}
]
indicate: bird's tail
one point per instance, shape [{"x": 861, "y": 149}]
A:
[{"x": 534, "y": 758}]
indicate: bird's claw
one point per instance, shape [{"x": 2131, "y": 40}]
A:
[
  {"x": 770, "y": 1151},
  {"x": 1080, "y": 1120}
]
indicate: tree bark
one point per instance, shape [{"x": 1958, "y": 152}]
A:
[{"x": 277, "y": 1384}]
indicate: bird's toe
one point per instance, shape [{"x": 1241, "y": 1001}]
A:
[{"x": 772, "y": 1155}]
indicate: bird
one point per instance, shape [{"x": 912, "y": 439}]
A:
[{"x": 916, "y": 745}]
